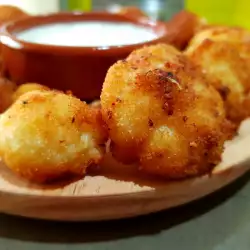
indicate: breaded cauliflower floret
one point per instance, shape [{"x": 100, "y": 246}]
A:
[
  {"x": 46, "y": 135},
  {"x": 162, "y": 114},
  {"x": 219, "y": 33},
  {"x": 224, "y": 56}
]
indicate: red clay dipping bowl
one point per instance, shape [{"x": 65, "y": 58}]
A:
[{"x": 79, "y": 69}]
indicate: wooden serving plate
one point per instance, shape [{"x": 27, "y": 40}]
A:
[{"x": 113, "y": 196}]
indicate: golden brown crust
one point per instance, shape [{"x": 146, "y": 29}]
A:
[{"x": 162, "y": 114}]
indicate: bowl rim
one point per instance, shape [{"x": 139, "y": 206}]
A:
[{"x": 8, "y": 38}]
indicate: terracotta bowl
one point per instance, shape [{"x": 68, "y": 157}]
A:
[{"x": 79, "y": 69}]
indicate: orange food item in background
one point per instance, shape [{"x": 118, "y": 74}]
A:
[
  {"x": 182, "y": 28},
  {"x": 131, "y": 11},
  {"x": 9, "y": 13}
]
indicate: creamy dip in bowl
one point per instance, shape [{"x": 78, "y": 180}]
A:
[
  {"x": 88, "y": 34},
  {"x": 73, "y": 51}
]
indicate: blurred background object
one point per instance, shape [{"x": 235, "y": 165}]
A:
[
  {"x": 34, "y": 7},
  {"x": 156, "y": 9},
  {"x": 229, "y": 12},
  {"x": 9, "y": 13},
  {"x": 80, "y": 5},
  {"x": 182, "y": 27},
  {"x": 216, "y": 11}
]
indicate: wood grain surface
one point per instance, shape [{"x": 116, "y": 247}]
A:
[{"x": 106, "y": 194}]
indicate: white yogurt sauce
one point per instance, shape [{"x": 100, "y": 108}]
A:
[{"x": 87, "y": 34}]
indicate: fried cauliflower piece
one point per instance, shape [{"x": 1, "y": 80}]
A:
[
  {"x": 219, "y": 33},
  {"x": 224, "y": 55},
  {"x": 28, "y": 87},
  {"x": 162, "y": 114},
  {"x": 47, "y": 135},
  {"x": 7, "y": 89},
  {"x": 9, "y": 92}
]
